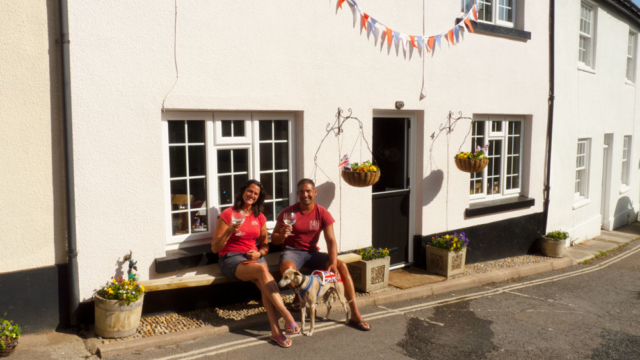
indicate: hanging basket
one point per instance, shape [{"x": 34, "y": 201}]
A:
[
  {"x": 361, "y": 178},
  {"x": 10, "y": 347},
  {"x": 471, "y": 165}
]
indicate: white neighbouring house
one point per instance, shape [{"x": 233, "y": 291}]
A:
[{"x": 594, "y": 165}]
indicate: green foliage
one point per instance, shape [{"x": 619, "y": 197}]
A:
[
  {"x": 127, "y": 291},
  {"x": 558, "y": 235},
  {"x": 371, "y": 253},
  {"x": 9, "y": 332},
  {"x": 455, "y": 242}
]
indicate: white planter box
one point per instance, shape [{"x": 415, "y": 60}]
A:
[
  {"x": 370, "y": 275},
  {"x": 445, "y": 263}
]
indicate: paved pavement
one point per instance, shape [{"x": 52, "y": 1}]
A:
[{"x": 69, "y": 346}]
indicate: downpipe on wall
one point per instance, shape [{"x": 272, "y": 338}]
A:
[{"x": 551, "y": 100}]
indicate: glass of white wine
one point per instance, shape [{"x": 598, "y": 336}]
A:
[
  {"x": 237, "y": 218},
  {"x": 290, "y": 219}
]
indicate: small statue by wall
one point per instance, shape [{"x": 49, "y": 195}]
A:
[{"x": 132, "y": 266}]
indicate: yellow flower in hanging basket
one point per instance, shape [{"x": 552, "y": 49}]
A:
[{"x": 361, "y": 175}]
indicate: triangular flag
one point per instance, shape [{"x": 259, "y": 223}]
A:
[
  {"x": 413, "y": 41},
  {"x": 450, "y": 37},
  {"x": 372, "y": 24},
  {"x": 456, "y": 33},
  {"x": 468, "y": 23},
  {"x": 430, "y": 43},
  {"x": 396, "y": 35},
  {"x": 474, "y": 12},
  {"x": 365, "y": 18},
  {"x": 438, "y": 38},
  {"x": 340, "y": 3},
  {"x": 389, "y": 35},
  {"x": 420, "y": 42}
]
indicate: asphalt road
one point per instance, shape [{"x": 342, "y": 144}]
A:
[{"x": 582, "y": 312}]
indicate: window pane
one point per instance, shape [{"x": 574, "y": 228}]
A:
[
  {"x": 197, "y": 160},
  {"x": 238, "y": 181},
  {"x": 225, "y": 192},
  {"x": 224, "y": 161},
  {"x": 282, "y": 156},
  {"x": 177, "y": 161},
  {"x": 238, "y": 128},
  {"x": 485, "y": 10},
  {"x": 494, "y": 169},
  {"x": 198, "y": 190},
  {"x": 266, "y": 157},
  {"x": 179, "y": 223},
  {"x": 179, "y": 195},
  {"x": 176, "y": 132},
  {"x": 265, "y": 130},
  {"x": 282, "y": 185},
  {"x": 199, "y": 221},
  {"x": 196, "y": 131},
  {"x": 281, "y": 130},
  {"x": 496, "y": 126},
  {"x": 506, "y": 10},
  {"x": 226, "y": 128},
  {"x": 268, "y": 211},
  {"x": 240, "y": 160},
  {"x": 280, "y": 205},
  {"x": 267, "y": 184}
]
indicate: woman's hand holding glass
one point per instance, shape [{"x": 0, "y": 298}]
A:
[{"x": 237, "y": 218}]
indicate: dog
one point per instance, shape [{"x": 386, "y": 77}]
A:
[{"x": 310, "y": 290}]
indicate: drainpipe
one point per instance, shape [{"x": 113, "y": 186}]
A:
[
  {"x": 74, "y": 292},
  {"x": 547, "y": 179}
]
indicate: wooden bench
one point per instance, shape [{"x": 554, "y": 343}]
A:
[{"x": 214, "y": 276}]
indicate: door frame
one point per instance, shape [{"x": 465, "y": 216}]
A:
[{"x": 413, "y": 119}]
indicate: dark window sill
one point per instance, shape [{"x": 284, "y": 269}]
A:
[
  {"x": 187, "y": 258},
  {"x": 492, "y": 29},
  {"x": 496, "y": 206}
]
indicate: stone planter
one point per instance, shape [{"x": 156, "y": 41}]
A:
[
  {"x": 445, "y": 263},
  {"x": 114, "y": 319},
  {"x": 370, "y": 275},
  {"x": 552, "y": 247}
]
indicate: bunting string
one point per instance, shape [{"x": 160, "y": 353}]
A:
[{"x": 420, "y": 42}]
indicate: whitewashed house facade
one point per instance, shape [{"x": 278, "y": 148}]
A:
[{"x": 595, "y": 151}]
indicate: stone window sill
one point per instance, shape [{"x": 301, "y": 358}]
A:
[
  {"x": 492, "y": 29},
  {"x": 500, "y": 205}
]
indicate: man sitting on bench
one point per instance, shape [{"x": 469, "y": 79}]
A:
[{"x": 300, "y": 244}]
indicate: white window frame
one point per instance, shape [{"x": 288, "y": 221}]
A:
[
  {"x": 495, "y": 11},
  {"x": 632, "y": 44},
  {"x": 212, "y": 143},
  {"x": 626, "y": 161},
  {"x": 502, "y": 135},
  {"x": 583, "y": 191},
  {"x": 590, "y": 58}
]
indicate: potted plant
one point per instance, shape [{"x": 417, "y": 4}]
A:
[
  {"x": 118, "y": 305},
  {"x": 446, "y": 255},
  {"x": 9, "y": 335},
  {"x": 361, "y": 175},
  {"x": 553, "y": 243},
  {"x": 372, "y": 272},
  {"x": 473, "y": 162}
]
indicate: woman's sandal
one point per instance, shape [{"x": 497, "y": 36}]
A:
[
  {"x": 282, "y": 341},
  {"x": 360, "y": 325},
  {"x": 292, "y": 329}
]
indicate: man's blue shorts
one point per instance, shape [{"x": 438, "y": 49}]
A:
[{"x": 312, "y": 260}]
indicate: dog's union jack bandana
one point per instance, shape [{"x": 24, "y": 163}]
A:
[{"x": 326, "y": 277}]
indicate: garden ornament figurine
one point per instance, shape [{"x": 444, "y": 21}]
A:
[{"x": 132, "y": 266}]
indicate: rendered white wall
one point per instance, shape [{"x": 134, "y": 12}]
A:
[
  {"x": 260, "y": 56},
  {"x": 590, "y": 105},
  {"x": 32, "y": 218}
]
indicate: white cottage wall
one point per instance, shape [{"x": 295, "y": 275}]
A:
[
  {"x": 263, "y": 56},
  {"x": 590, "y": 104}
]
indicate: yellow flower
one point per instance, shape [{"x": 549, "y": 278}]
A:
[
  {"x": 126, "y": 282},
  {"x": 110, "y": 291},
  {"x": 142, "y": 288},
  {"x": 373, "y": 168}
]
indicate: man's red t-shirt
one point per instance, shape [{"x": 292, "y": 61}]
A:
[
  {"x": 251, "y": 229},
  {"x": 307, "y": 229}
]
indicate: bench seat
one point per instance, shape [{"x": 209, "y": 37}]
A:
[{"x": 214, "y": 276}]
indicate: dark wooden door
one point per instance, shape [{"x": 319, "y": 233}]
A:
[{"x": 391, "y": 194}]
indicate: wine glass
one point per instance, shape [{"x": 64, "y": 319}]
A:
[
  {"x": 290, "y": 219},
  {"x": 237, "y": 218}
]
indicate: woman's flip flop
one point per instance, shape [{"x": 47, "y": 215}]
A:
[
  {"x": 292, "y": 329},
  {"x": 360, "y": 325},
  {"x": 282, "y": 341}
]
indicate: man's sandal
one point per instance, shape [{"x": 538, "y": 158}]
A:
[
  {"x": 282, "y": 341},
  {"x": 292, "y": 329},
  {"x": 360, "y": 325},
  {"x": 295, "y": 307}
]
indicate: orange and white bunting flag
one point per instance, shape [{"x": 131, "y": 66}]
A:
[
  {"x": 413, "y": 41},
  {"x": 389, "y": 35},
  {"x": 364, "y": 20},
  {"x": 469, "y": 26},
  {"x": 340, "y": 2},
  {"x": 430, "y": 43},
  {"x": 474, "y": 12},
  {"x": 450, "y": 37}
]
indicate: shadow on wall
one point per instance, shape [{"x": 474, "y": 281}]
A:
[
  {"x": 624, "y": 214},
  {"x": 326, "y": 194},
  {"x": 431, "y": 186}
]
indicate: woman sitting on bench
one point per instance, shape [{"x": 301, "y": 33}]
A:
[{"x": 237, "y": 229}]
